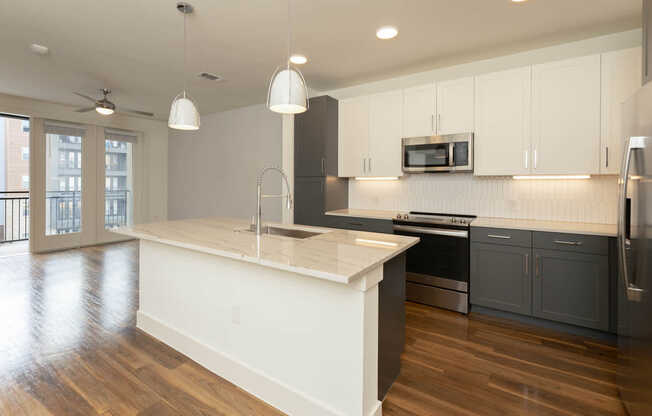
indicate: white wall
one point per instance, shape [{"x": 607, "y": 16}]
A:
[
  {"x": 213, "y": 171},
  {"x": 153, "y": 169},
  {"x": 593, "y": 200}
]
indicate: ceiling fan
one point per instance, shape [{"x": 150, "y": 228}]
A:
[{"x": 106, "y": 107}]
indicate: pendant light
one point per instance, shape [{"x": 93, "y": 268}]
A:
[
  {"x": 183, "y": 113},
  {"x": 288, "y": 93}
]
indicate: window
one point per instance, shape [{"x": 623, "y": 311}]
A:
[
  {"x": 71, "y": 160},
  {"x": 25, "y": 126},
  {"x": 78, "y": 160},
  {"x": 24, "y": 153},
  {"x": 25, "y": 181}
]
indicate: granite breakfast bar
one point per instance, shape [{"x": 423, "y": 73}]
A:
[{"x": 294, "y": 321}]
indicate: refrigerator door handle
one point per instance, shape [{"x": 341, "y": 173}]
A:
[{"x": 633, "y": 292}]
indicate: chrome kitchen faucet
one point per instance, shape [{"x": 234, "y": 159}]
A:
[{"x": 259, "y": 195}]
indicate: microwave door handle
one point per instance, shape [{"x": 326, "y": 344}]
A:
[
  {"x": 632, "y": 291},
  {"x": 451, "y": 154}
]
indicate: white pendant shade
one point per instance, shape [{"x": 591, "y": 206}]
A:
[
  {"x": 183, "y": 113},
  {"x": 287, "y": 91}
]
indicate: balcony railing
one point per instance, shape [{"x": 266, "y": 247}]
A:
[
  {"x": 63, "y": 212},
  {"x": 14, "y": 216}
]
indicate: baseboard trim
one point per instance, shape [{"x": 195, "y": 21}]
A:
[
  {"x": 544, "y": 323},
  {"x": 261, "y": 385}
]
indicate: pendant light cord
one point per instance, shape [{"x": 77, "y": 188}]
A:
[
  {"x": 185, "y": 12},
  {"x": 289, "y": 33}
]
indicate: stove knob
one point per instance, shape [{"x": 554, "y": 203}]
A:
[
  {"x": 454, "y": 220},
  {"x": 462, "y": 221}
]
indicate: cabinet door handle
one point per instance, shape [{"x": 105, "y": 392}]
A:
[
  {"x": 370, "y": 165},
  {"x": 537, "y": 273},
  {"x": 364, "y": 165},
  {"x": 526, "y": 157},
  {"x": 503, "y": 237},
  {"x": 527, "y": 264},
  {"x": 432, "y": 123},
  {"x": 606, "y": 165},
  {"x": 323, "y": 164},
  {"x": 568, "y": 243},
  {"x": 438, "y": 122},
  {"x": 535, "y": 158}
]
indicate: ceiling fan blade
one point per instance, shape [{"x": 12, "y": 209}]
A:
[
  {"x": 85, "y": 96},
  {"x": 85, "y": 110},
  {"x": 138, "y": 112}
]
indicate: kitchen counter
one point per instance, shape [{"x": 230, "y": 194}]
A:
[
  {"x": 337, "y": 255},
  {"x": 607, "y": 230},
  {"x": 269, "y": 313},
  {"x": 365, "y": 213}
]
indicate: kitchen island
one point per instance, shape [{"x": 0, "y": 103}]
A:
[{"x": 299, "y": 321}]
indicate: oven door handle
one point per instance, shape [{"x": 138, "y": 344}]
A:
[{"x": 433, "y": 231}]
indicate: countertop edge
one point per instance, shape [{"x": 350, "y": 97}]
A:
[
  {"x": 510, "y": 223},
  {"x": 566, "y": 229},
  {"x": 336, "y": 278}
]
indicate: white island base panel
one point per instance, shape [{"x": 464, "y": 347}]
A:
[{"x": 306, "y": 346}]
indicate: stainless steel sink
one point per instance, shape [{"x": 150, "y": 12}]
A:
[{"x": 285, "y": 232}]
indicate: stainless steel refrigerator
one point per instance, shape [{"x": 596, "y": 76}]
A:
[{"x": 635, "y": 256}]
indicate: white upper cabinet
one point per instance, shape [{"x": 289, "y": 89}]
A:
[
  {"x": 385, "y": 132},
  {"x": 370, "y": 131},
  {"x": 353, "y": 136},
  {"x": 566, "y": 116},
  {"x": 502, "y": 122},
  {"x": 419, "y": 111},
  {"x": 455, "y": 106},
  {"x": 621, "y": 78}
]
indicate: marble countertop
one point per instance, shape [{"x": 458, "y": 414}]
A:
[
  {"x": 336, "y": 255},
  {"x": 365, "y": 213},
  {"x": 608, "y": 230}
]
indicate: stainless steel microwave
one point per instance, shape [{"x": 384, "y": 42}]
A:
[{"x": 447, "y": 153}]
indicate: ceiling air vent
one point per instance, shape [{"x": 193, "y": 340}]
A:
[{"x": 210, "y": 77}]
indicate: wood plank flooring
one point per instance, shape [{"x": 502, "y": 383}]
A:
[{"x": 69, "y": 346}]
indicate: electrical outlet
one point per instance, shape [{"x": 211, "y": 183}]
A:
[{"x": 235, "y": 315}]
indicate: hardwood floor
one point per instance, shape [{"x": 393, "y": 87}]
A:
[{"x": 68, "y": 346}]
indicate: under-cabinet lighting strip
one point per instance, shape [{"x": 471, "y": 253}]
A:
[
  {"x": 377, "y": 178},
  {"x": 535, "y": 177}
]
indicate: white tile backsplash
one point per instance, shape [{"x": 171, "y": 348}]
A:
[{"x": 592, "y": 200}]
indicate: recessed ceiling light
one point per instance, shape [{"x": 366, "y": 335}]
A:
[
  {"x": 298, "y": 59},
  {"x": 39, "y": 49},
  {"x": 387, "y": 32},
  {"x": 519, "y": 1}
]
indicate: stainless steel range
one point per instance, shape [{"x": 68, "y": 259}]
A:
[{"x": 438, "y": 267}]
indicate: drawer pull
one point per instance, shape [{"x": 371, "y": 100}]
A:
[
  {"x": 568, "y": 243},
  {"x": 355, "y": 224},
  {"x": 503, "y": 237},
  {"x": 537, "y": 273},
  {"x": 527, "y": 265}
]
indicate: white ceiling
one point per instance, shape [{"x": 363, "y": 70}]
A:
[{"x": 135, "y": 47}]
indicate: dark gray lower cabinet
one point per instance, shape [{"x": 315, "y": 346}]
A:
[
  {"x": 560, "y": 277},
  {"x": 500, "y": 277},
  {"x": 572, "y": 288}
]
